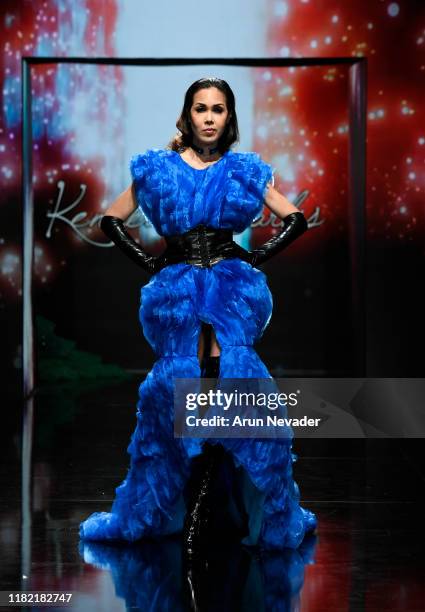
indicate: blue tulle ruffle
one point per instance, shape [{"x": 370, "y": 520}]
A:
[{"x": 235, "y": 299}]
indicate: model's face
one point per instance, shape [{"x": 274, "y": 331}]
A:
[{"x": 208, "y": 112}]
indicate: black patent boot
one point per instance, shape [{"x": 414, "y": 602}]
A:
[
  {"x": 211, "y": 367},
  {"x": 196, "y": 536},
  {"x": 197, "y": 542},
  {"x": 195, "y": 529},
  {"x": 198, "y": 490}
]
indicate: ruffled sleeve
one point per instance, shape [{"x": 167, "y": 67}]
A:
[
  {"x": 262, "y": 174},
  {"x": 139, "y": 170},
  {"x": 248, "y": 177}
]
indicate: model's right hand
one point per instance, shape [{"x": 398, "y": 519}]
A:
[{"x": 114, "y": 228}]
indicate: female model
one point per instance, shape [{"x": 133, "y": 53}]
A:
[{"x": 202, "y": 311}]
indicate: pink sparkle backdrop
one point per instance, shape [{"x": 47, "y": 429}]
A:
[{"x": 392, "y": 36}]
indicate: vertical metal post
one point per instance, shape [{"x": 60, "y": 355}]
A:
[
  {"x": 28, "y": 329},
  {"x": 357, "y": 213},
  {"x": 27, "y": 233}
]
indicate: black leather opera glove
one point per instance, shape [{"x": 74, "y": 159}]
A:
[
  {"x": 114, "y": 228},
  {"x": 294, "y": 225}
]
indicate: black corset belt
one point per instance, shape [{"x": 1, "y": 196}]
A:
[{"x": 201, "y": 246}]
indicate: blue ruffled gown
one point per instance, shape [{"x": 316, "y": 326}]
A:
[{"x": 235, "y": 299}]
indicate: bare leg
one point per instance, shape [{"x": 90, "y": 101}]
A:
[
  {"x": 208, "y": 344},
  {"x": 215, "y": 347}
]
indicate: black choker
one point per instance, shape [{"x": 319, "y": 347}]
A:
[{"x": 200, "y": 150}]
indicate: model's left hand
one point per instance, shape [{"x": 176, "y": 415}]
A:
[{"x": 294, "y": 225}]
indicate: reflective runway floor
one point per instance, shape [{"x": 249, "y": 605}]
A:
[{"x": 367, "y": 494}]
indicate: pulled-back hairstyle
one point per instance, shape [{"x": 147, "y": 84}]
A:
[{"x": 231, "y": 131}]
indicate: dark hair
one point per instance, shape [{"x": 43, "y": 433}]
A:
[{"x": 231, "y": 131}]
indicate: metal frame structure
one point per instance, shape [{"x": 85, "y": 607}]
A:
[{"x": 357, "y": 179}]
